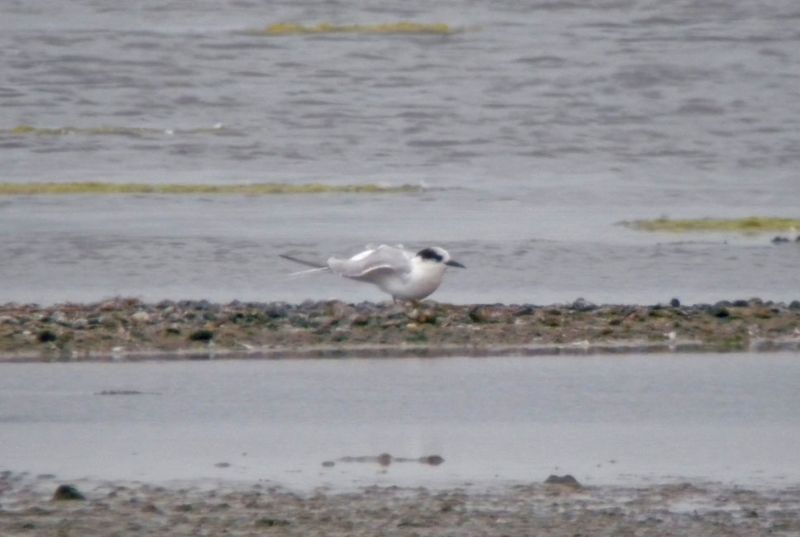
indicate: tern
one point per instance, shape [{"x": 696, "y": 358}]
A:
[{"x": 403, "y": 274}]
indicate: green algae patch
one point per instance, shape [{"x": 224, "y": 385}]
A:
[
  {"x": 749, "y": 225},
  {"x": 138, "y": 132},
  {"x": 289, "y": 28},
  {"x": 253, "y": 189}
]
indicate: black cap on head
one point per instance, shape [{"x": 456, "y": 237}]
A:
[{"x": 431, "y": 254}]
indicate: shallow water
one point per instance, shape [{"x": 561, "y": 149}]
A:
[
  {"x": 613, "y": 419},
  {"x": 537, "y": 128}
]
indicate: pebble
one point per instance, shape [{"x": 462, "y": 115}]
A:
[
  {"x": 341, "y": 311},
  {"x": 565, "y": 480},
  {"x": 67, "y": 493},
  {"x": 719, "y": 311},
  {"x": 141, "y": 317},
  {"x": 581, "y": 304}
]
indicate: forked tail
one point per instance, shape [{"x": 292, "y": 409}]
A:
[{"x": 316, "y": 267}]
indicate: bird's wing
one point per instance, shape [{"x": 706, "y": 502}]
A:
[{"x": 373, "y": 264}]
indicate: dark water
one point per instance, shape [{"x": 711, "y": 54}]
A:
[
  {"x": 537, "y": 129},
  {"x": 631, "y": 419}
]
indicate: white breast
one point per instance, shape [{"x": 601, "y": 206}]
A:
[{"x": 424, "y": 279}]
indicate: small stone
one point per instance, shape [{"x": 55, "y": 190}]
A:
[
  {"x": 422, "y": 315},
  {"x": 433, "y": 460},
  {"x": 201, "y": 335},
  {"x": 488, "y": 314},
  {"x": 477, "y": 315},
  {"x": 276, "y": 310},
  {"x": 359, "y": 319},
  {"x": 67, "y": 493},
  {"x": 527, "y": 309},
  {"x": 565, "y": 480},
  {"x": 150, "y": 508},
  {"x": 271, "y": 522},
  {"x": 340, "y": 311},
  {"x": 719, "y": 311},
  {"x": 581, "y": 304},
  {"x": 46, "y": 336},
  {"x": 328, "y": 464},
  {"x": 141, "y": 317}
]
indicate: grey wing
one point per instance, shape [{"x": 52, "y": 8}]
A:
[{"x": 373, "y": 264}]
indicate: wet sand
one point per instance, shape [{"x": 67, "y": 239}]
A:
[
  {"x": 28, "y": 507},
  {"x": 129, "y": 328}
]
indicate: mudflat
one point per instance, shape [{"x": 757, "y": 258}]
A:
[{"x": 30, "y": 506}]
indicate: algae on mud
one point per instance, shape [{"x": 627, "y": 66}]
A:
[
  {"x": 289, "y": 28},
  {"x": 748, "y": 225},
  {"x": 138, "y": 132},
  {"x": 248, "y": 189}
]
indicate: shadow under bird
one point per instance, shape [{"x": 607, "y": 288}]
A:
[{"x": 403, "y": 274}]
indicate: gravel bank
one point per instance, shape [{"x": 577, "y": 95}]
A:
[
  {"x": 28, "y": 507},
  {"x": 129, "y": 328}
]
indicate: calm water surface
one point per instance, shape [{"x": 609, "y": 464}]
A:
[
  {"x": 620, "y": 419},
  {"x": 537, "y": 128}
]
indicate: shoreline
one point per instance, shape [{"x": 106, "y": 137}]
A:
[
  {"x": 129, "y": 329},
  {"x": 90, "y": 508}
]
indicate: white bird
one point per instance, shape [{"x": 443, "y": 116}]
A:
[{"x": 403, "y": 274}]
